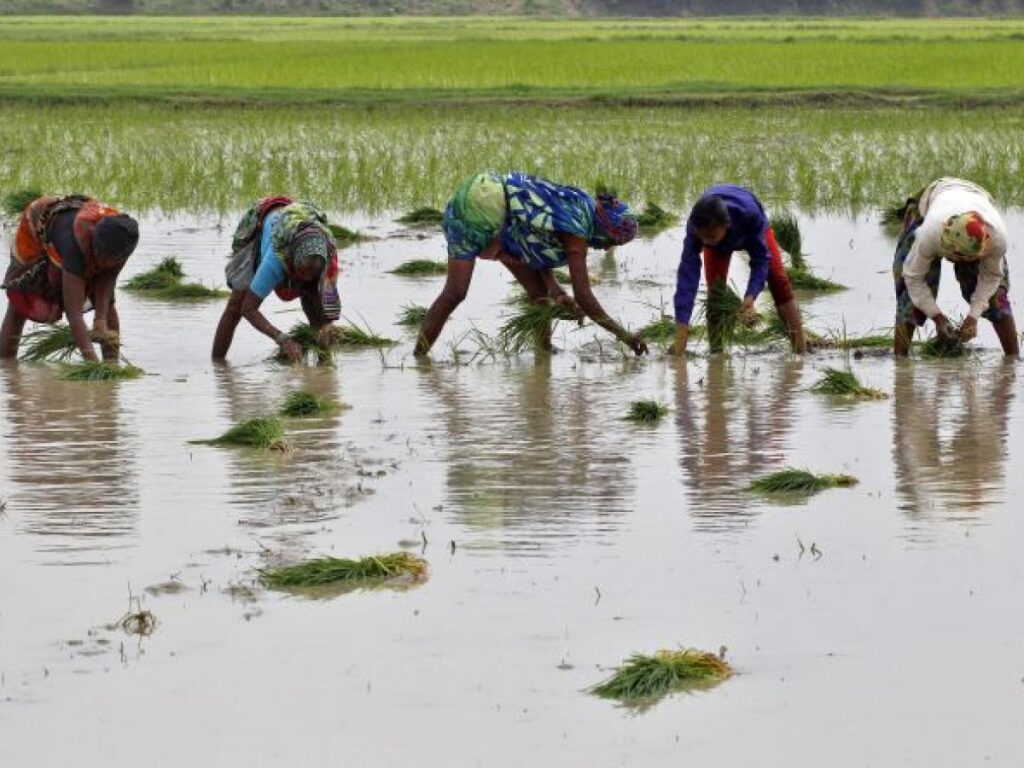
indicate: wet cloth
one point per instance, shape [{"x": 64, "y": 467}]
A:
[
  {"x": 748, "y": 231},
  {"x": 529, "y": 214},
  {"x": 966, "y": 273},
  {"x": 933, "y": 230}
]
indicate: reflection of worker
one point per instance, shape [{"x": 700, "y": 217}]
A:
[
  {"x": 283, "y": 247},
  {"x": 729, "y": 218},
  {"x": 955, "y": 220},
  {"x": 530, "y": 225},
  {"x": 957, "y": 456},
  {"x": 67, "y": 251},
  {"x": 738, "y": 438}
]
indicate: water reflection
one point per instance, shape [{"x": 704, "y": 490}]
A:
[
  {"x": 950, "y": 425},
  {"x": 71, "y": 465},
  {"x": 733, "y": 423},
  {"x": 530, "y": 458}
]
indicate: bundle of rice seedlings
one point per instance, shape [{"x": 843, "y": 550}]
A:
[
  {"x": 645, "y": 679},
  {"x": 17, "y": 201},
  {"x": 343, "y": 235},
  {"x": 265, "y": 432},
  {"x": 792, "y": 480},
  {"x": 662, "y": 330},
  {"x": 51, "y": 342},
  {"x": 892, "y": 216},
  {"x": 562, "y": 277},
  {"x": 367, "y": 571},
  {"x": 90, "y": 370},
  {"x": 646, "y": 411},
  {"x": 833, "y": 340},
  {"x": 722, "y": 312},
  {"x": 338, "y": 337},
  {"x": 420, "y": 268},
  {"x": 165, "y": 281},
  {"x": 654, "y": 218},
  {"x": 528, "y": 328},
  {"x": 845, "y": 384},
  {"x": 763, "y": 331},
  {"x": 354, "y": 336},
  {"x": 941, "y": 347},
  {"x": 787, "y": 234},
  {"x": 803, "y": 279},
  {"x": 302, "y": 403},
  {"x": 421, "y": 217},
  {"x": 412, "y": 315}
]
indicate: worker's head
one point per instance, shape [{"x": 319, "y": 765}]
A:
[
  {"x": 310, "y": 253},
  {"x": 710, "y": 219},
  {"x": 965, "y": 237},
  {"x": 114, "y": 239},
  {"x": 615, "y": 221}
]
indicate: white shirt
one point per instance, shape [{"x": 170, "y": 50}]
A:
[{"x": 942, "y": 199}]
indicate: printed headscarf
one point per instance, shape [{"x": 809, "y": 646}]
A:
[
  {"x": 615, "y": 219},
  {"x": 965, "y": 237}
]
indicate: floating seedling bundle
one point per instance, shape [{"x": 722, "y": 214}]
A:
[
  {"x": 167, "y": 281},
  {"x": 653, "y": 219},
  {"x": 420, "y": 268},
  {"x": 368, "y": 571},
  {"x": 91, "y": 370},
  {"x": 412, "y": 315},
  {"x": 421, "y": 217},
  {"x": 344, "y": 236},
  {"x": 302, "y": 403},
  {"x": 643, "y": 680},
  {"x": 788, "y": 236},
  {"x": 845, "y": 384},
  {"x": 266, "y": 433},
  {"x": 646, "y": 411},
  {"x": 51, "y": 342},
  {"x": 799, "y": 481},
  {"x": 530, "y": 327}
]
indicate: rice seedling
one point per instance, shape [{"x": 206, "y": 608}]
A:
[
  {"x": 789, "y": 238},
  {"x": 530, "y": 327},
  {"x": 662, "y": 331},
  {"x": 646, "y": 411},
  {"x": 940, "y": 347},
  {"x": 335, "y": 337},
  {"x": 722, "y": 312},
  {"x": 165, "y": 281},
  {"x": 51, "y": 342},
  {"x": 367, "y": 571},
  {"x": 805, "y": 280},
  {"x": 90, "y": 370},
  {"x": 354, "y": 336},
  {"x": 562, "y": 277},
  {"x": 421, "y": 268},
  {"x": 344, "y": 236},
  {"x": 266, "y": 432},
  {"x": 892, "y": 216},
  {"x": 643, "y": 680},
  {"x": 844, "y": 384},
  {"x": 17, "y": 201},
  {"x": 653, "y": 219},
  {"x": 421, "y": 217},
  {"x": 302, "y": 403},
  {"x": 794, "y": 481},
  {"x": 412, "y": 315}
]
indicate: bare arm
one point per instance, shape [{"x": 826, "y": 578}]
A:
[
  {"x": 314, "y": 309},
  {"x": 73, "y": 289},
  {"x": 251, "y": 311}
]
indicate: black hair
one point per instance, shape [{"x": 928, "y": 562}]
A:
[
  {"x": 115, "y": 237},
  {"x": 709, "y": 211}
]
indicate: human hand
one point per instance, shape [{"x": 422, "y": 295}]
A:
[
  {"x": 748, "y": 314},
  {"x": 636, "y": 342},
  {"x": 291, "y": 348},
  {"x": 567, "y": 301},
  {"x": 942, "y": 326},
  {"x": 969, "y": 329}
]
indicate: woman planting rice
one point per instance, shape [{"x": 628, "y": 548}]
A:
[
  {"x": 284, "y": 247},
  {"x": 67, "y": 252},
  {"x": 531, "y": 226},
  {"x": 955, "y": 220},
  {"x": 730, "y": 218}
]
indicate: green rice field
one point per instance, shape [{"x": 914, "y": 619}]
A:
[{"x": 346, "y": 60}]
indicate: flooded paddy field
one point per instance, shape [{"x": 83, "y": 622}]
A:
[{"x": 560, "y": 538}]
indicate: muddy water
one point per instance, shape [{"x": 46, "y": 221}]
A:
[{"x": 560, "y": 540}]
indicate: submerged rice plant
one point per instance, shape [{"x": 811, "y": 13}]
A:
[
  {"x": 792, "y": 480},
  {"x": 302, "y": 403},
  {"x": 421, "y": 268},
  {"x": 942, "y": 347},
  {"x": 91, "y": 370},
  {"x": 51, "y": 342},
  {"x": 645, "y": 679},
  {"x": 332, "y": 570},
  {"x": 412, "y": 315},
  {"x": 653, "y": 219},
  {"x": 263, "y": 432},
  {"x": 663, "y": 330},
  {"x": 337, "y": 337},
  {"x": 529, "y": 328},
  {"x": 646, "y": 411},
  {"x": 17, "y": 201},
  {"x": 421, "y": 217},
  {"x": 845, "y": 384}
]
